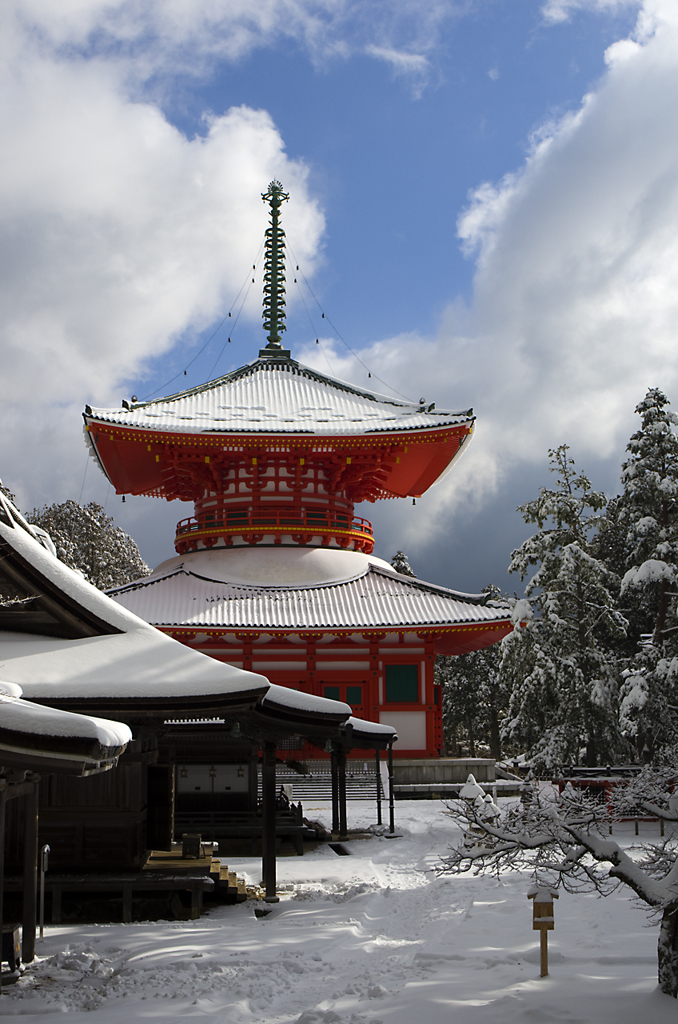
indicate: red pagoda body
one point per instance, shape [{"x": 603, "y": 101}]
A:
[{"x": 274, "y": 571}]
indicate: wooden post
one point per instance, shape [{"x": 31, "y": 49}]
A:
[
  {"x": 268, "y": 795},
  {"x": 377, "y": 767},
  {"x": 335, "y": 792},
  {"x": 127, "y": 903},
  {"x": 253, "y": 782},
  {"x": 544, "y": 953},
  {"x": 543, "y": 921},
  {"x": 30, "y": 873},
  {"x": 343, "y": 814},
  {"x": 44, "y": 862},
  {"x": 341, "y": 766},
  {"x": 391, "y": 797}
]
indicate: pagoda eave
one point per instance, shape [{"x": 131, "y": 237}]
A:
[{"x": 369, "y": 466}]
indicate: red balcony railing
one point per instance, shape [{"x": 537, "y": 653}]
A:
[{"x": 253, "y": 525}]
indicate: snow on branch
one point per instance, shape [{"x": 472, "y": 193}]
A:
[{"x": 560, "y": 839}]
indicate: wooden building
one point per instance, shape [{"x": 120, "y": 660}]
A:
[{"x": 72, "y": 649}]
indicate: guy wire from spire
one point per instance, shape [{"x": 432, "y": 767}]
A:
[{"x": 274, "y": 269}]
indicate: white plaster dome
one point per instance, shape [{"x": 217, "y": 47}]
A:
[{"x": 275, "y": 566}]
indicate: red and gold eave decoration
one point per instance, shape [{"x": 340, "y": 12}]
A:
[
  {"x": 148, "y": 462},
  {"x": 460, "y": 638}
]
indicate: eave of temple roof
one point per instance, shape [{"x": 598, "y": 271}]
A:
[
  {"x": 39, "y": 738},
  {"x": 279, "y": 396},
  {"x": 373, "y": 599}
]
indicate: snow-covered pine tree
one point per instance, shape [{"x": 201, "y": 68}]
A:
[
  {"x": 649, "y": 508},
  {"x": 474, "y": 698},
  {"x": 401, "y": 564},
  {"x": 6, "y": 491},
  {"x": 564, "y": 690},
  {"x": 88, "y": 540}
]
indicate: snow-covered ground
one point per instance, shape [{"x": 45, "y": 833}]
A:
[{"x": 372, "y": 938}]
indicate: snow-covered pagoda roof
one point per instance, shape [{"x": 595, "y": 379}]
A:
[
  {"x": 195, "y": 591},
  {"x": 278, "y": 396}
]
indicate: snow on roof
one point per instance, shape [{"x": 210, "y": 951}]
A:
[
  {"x": 131, "y": 659},
  {"x": 278, "y": 396},
  {"x": 360, "y": 726},
  {"x": 10, "y": 689},
  {"x": 71, "y": 584},
  {"x": 295, "y": 700},
  {"x": 23, "y": 717},
  {"x": 140, "y": 664},
  {"x": 374, "y": 598}
]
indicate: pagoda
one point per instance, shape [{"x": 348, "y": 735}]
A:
[{"x": 275, "y": 572}]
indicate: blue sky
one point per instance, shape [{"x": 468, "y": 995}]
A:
[
  {"x": 393, "y": 158},
  {"x": 484, "y": 198}
]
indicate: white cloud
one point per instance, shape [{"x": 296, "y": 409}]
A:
[
  {"x": 413, "y": 65},
  {"x": 556, "y": 11},
  {"x": 182, "y": 34},
  {"x": 401, "y": 61},
  {"x": 117, "y": 234},
  {"x": 575, "y": 306}
]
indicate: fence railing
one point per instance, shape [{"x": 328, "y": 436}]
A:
[{"x": 299, "y": 523}]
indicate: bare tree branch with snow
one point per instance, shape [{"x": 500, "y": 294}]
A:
[{"x": 560, "y": 839}]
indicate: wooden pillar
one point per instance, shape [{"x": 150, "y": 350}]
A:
[
  {"x": 30, "y": 873},
  {"x": 253, "y": 782},
  {"x": 341, "y": 766},
  {"x": 2, "y": 855},
  {"x": 126, "y": 903},
  {"x": 377, "y": 768},
  {"x": 335, "y": 791},
  {"x": 391, "y": 798},
  {"x": 268, "y": 794}
]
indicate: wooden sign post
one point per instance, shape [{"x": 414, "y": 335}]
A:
[{"x": 542, "y": 920}]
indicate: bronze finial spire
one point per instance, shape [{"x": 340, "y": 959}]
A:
[{"x": 274, "y": 274}]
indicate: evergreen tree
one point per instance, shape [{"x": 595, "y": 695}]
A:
[
  {"x": 401, "y": 564},
  {"x": 564, "y": 687},
  {"x": 475, "y": 699},
  {"x": 88, "y": 540},
  {"x": 611, "y": 546},
  {"x": 6, "y": 491},
  {"x": 649, "y": 513}
]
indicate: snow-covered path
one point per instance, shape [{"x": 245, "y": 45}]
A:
[{"x": 369, "y": 938}]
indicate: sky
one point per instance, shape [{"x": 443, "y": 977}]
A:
[{"x": 483, "y": 202}]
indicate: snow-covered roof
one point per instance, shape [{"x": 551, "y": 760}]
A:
[
  {"x": 282, "y": 697},
  {"x": 112, "y": 655},
  {"x": 141, "y": 668},
  {"x": 278, "y": 396},
  {"x": 37, "y": 738},
  {"x": 366, "y": 735},
  {"x": 190, "y": 593},
  {"x": 25, "y": 554},
  {"x": 360, "y": 726},
  {"x": 23, "y": 717}
]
